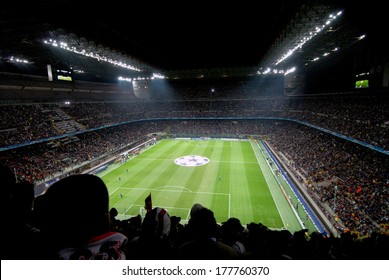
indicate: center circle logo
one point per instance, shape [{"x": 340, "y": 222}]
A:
[{"x": 191, "y": 160}]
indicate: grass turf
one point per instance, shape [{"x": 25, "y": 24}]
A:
[{"x": 231, "y": 184}]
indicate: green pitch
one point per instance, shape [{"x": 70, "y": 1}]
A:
[{"x": 229, "y": 177}]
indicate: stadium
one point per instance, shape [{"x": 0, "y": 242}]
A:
[{"x": 288, "y": 152}]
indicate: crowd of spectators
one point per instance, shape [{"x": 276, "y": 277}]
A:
[
  {"x": 357, "y": 116},
  {"x": 61, "y": 225},
  {"x": 327, "y": 164}
]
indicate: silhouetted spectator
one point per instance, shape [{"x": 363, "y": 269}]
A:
[
  {"x": 8, "y": 179},
  {"x": 115, "y": 224},
  {"x": 154, "y": 239},
  {"x": 20, "y": 239},
  {"x": 73, "y": 216},
  {"x": 204, "y": 243},
  {"x": 177, "y": 233},
  {"x": 232, "y": 234}
]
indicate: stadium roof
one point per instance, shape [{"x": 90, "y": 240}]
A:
[{"x": 184, "y": 38}]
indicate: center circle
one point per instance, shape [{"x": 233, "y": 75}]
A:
[{"x": 191, "y": 160}]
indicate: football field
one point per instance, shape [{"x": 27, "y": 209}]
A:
[{"x": 230, "y": 177}]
